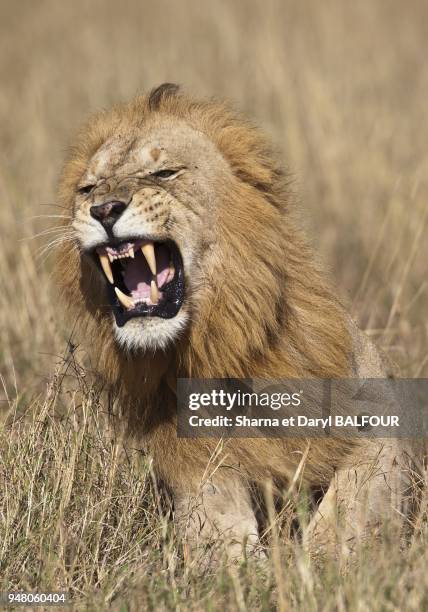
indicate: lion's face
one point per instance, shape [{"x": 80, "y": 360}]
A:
[{"x": 144, "y": 213}]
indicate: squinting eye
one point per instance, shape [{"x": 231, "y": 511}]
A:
[
  {"x": 164, "y": 174},
  {"x": 85, "y": 189}
]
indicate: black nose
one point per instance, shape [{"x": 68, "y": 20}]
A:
[{"x": 107, "y": 214}]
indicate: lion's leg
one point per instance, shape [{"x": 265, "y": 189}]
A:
[
  {"x": 220, "y": 511},
  {"x": 376, "y": 490},
  {"x": 378, "y": 487}
]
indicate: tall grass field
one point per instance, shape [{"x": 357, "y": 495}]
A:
[{"x": 342, "y": 90}]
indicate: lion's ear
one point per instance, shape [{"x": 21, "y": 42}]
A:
[{"x": 161, "y": 93}]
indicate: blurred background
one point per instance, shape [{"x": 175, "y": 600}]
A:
[{"x": 340, "y": 87}]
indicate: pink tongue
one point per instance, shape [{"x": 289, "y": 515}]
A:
[{"x": 137, "y": 275}]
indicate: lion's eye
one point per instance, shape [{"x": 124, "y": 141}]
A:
[
  {"x": 85, "y": 189},
  {"x": 164, "y": 174}
]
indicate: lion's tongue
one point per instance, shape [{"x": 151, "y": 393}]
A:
[{"x": 137, "y": 275}]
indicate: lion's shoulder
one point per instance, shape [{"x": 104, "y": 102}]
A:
[{"x": 368, "y": 361}]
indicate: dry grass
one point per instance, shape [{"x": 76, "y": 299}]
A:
[{"x": 342, "y": 89}]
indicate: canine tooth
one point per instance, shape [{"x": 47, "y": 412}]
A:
[
  {"x": 131, "y": 252},
  {"x": 110, "y": 256},
  {"x": 125, "y": 300},
  {"x": 149, "y": 253},
  {"x": 154, "y": 292},
  {"x": 105, "y": 264}
]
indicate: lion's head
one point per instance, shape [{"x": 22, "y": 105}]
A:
[{"x": 182, "y": 238}]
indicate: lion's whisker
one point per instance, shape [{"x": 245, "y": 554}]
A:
[
  {"x": 47, "y": 232},
  {"x": 51, "y": 217}
]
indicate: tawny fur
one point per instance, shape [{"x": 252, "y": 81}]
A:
[
  {"x": 279, "y": 319},
  {"x": 256, "y": 306}
]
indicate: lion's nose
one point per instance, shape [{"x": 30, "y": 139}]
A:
[{"x": 107, "y": 214}]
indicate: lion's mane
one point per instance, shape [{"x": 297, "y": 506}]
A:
[{"x": 290, "y": 324}]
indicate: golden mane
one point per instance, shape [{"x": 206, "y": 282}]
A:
[{"x": 291, "y": 324}]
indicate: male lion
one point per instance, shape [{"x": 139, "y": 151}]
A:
[{"x": 186, "y": 262}]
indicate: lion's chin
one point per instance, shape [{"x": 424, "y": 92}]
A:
[{"x": 150, "y": 334}]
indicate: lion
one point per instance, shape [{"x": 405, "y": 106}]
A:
[{"x": 186, "y": 261}]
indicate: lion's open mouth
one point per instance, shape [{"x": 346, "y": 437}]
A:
[{"x": 144, "y": 278}]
